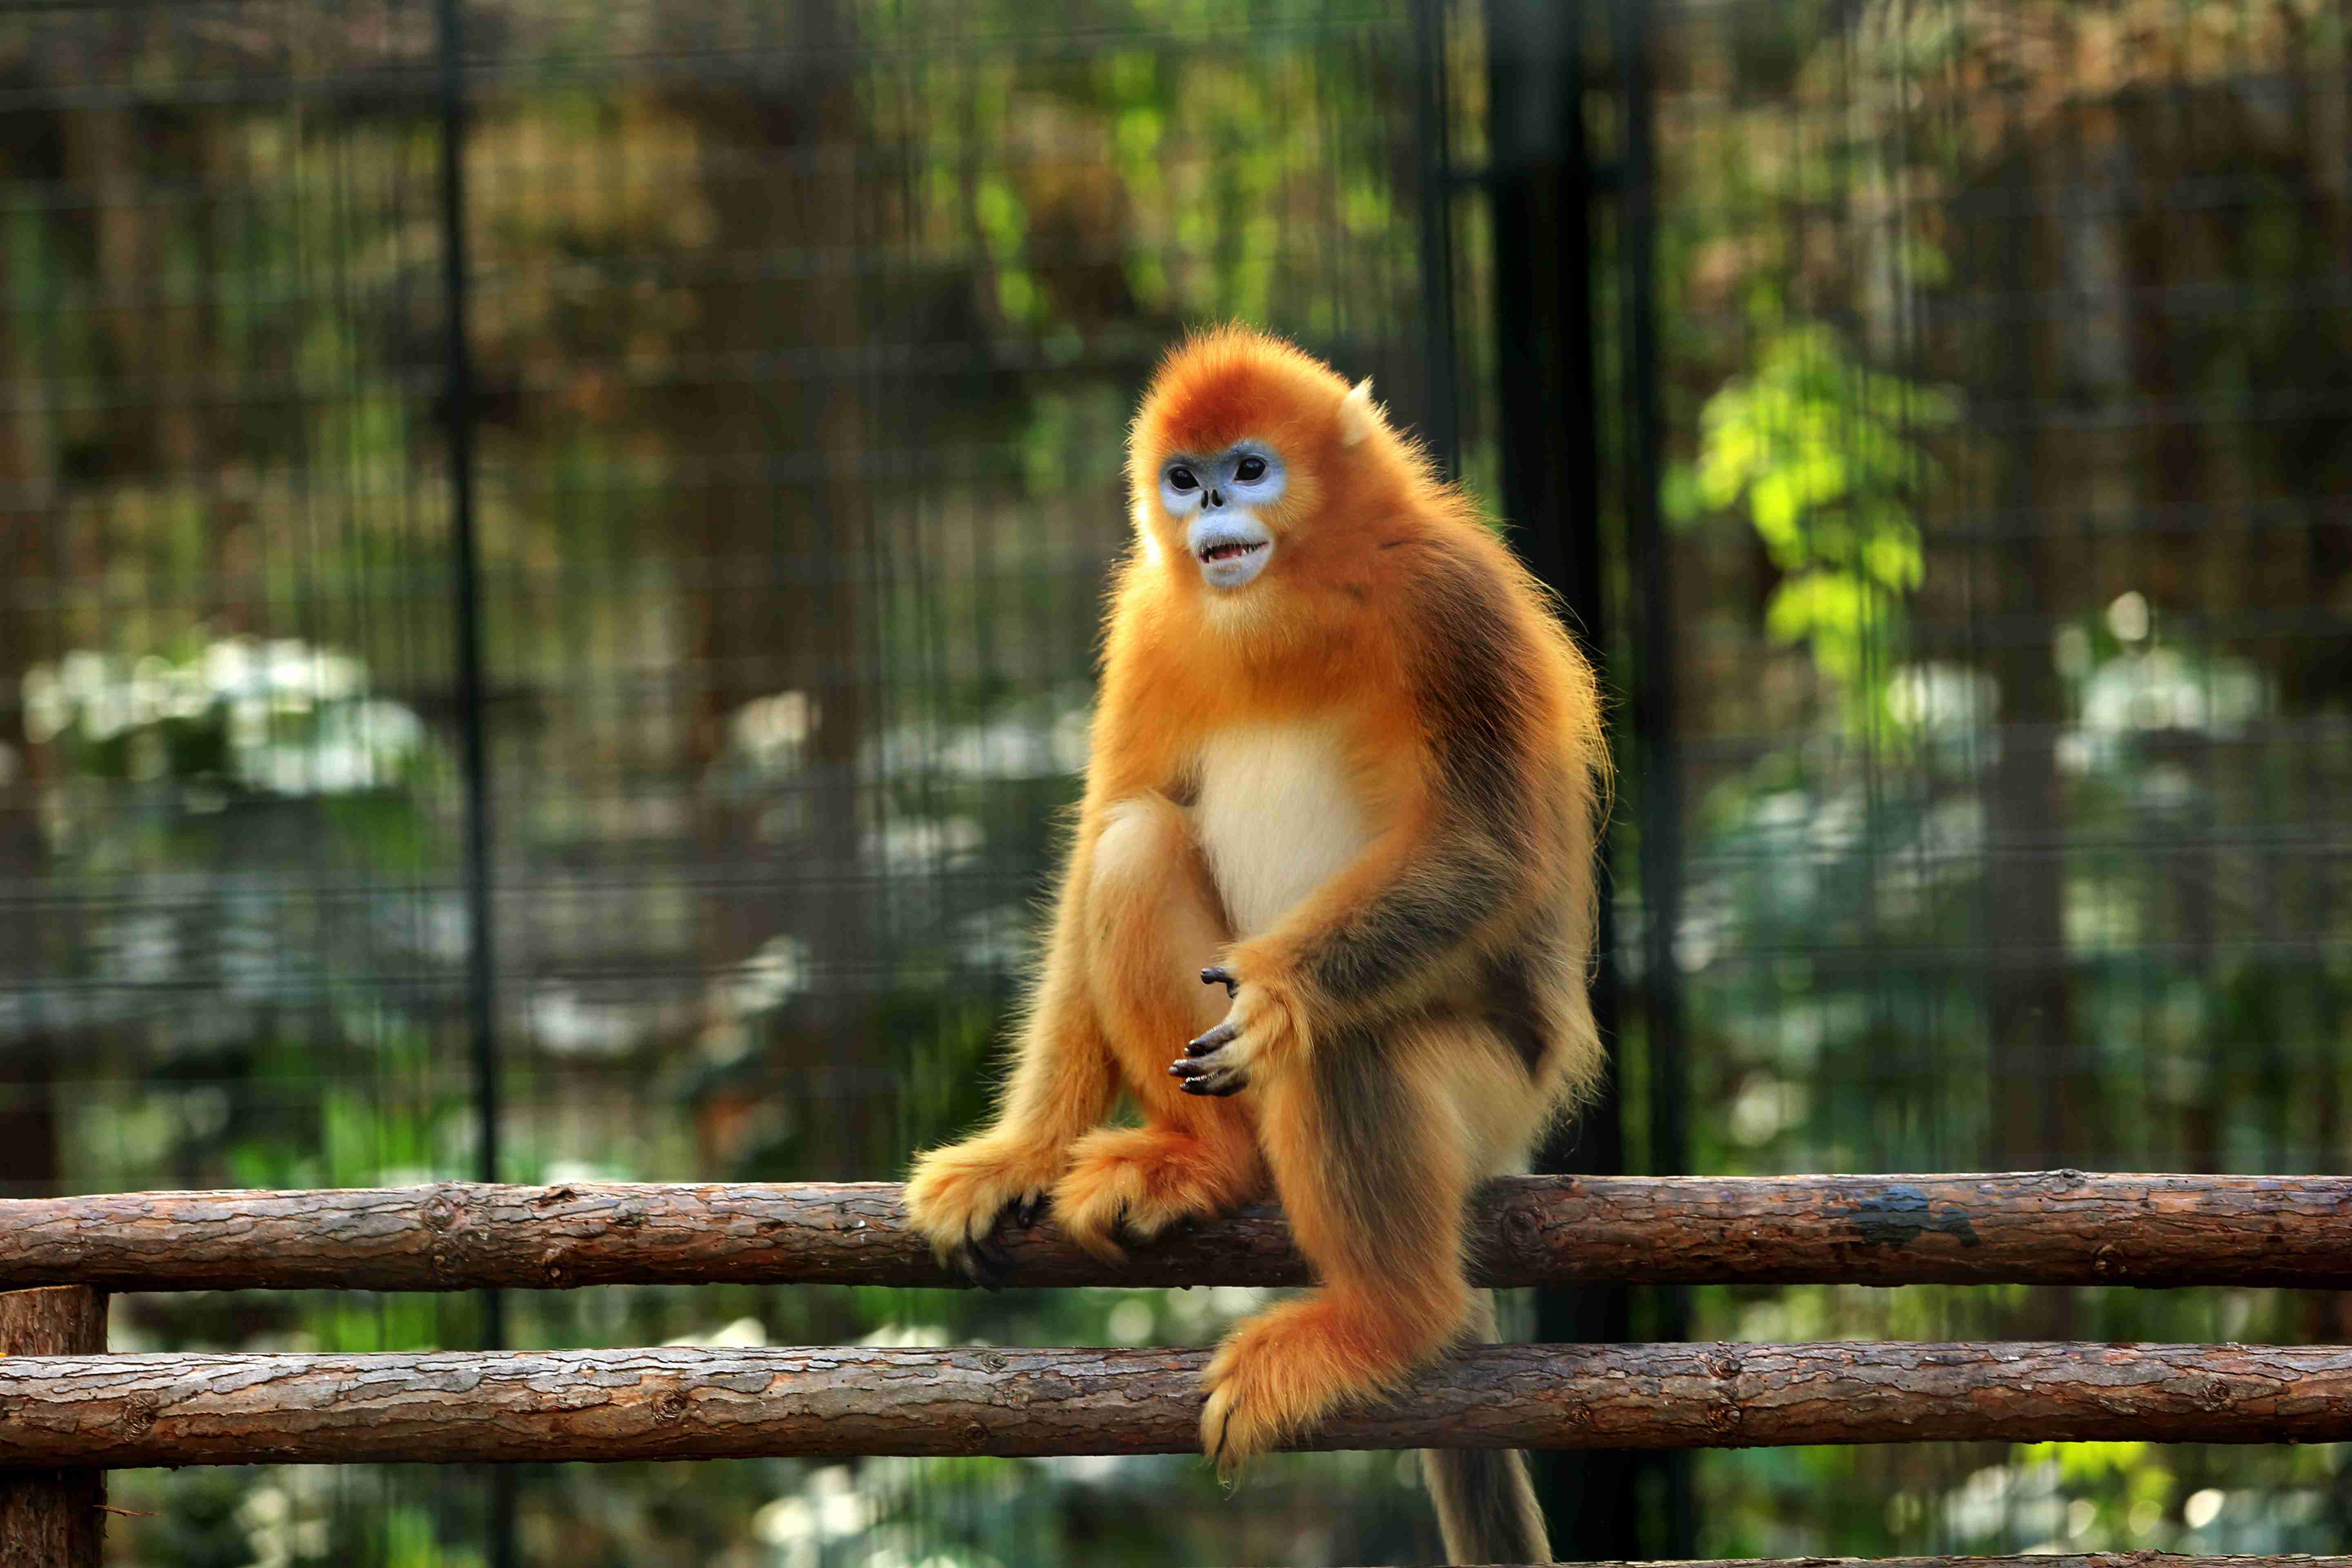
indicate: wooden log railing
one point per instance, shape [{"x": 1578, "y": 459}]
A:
[
  {"x": 2059, "y": 1228},
  {"x": 727, "y": 1404},
  {"x": 74, "y": 1412}
]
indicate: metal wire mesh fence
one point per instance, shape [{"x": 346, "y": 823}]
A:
[
  {"x": 2003, "y": 412},
  {"x": 552, "y": 559}
]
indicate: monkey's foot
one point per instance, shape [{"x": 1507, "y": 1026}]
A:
[
  {"x": 1287, "y": 1368},
  {"x": 1134, "y": 1183},
  {"x": 957, "y": 1195}
]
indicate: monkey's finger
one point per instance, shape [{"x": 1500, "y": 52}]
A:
[
  {"x": 1223, "y": 1034},
  {"x": 1024, "y": 1211},
  {"x": 1218, "y": 974},
  {"x": 1208, "y": 1077}
]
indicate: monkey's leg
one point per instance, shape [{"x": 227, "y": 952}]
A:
[
  {"x": 1062, "y": 1085},
  {"x": 1153, "y": 923},
  {"x": 1374, "y": 1140}
]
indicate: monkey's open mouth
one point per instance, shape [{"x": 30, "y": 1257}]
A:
[{"x": 1230, "y": 549}]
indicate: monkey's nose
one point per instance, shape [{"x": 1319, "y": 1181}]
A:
[{"x": 1216, "y": 500}]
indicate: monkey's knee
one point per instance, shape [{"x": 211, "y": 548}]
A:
[{"x": 1144, "y": 838}]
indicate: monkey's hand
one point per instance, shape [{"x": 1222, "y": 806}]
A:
[
  {"x": 957, "y": 1197},
  {"x": 1263, "y": 1022}
]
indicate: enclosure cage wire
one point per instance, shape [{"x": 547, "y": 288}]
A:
[
  {"x": 2018, "y": 846},
  {"x": 767, "y": 810}
]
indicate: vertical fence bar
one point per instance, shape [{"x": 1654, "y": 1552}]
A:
[
  {"x": 1541, "y": 184},
  {"x": 1663, "y": 1022},
  {"x": 1433, "y": 104},
  {"x": 53, "y": 1518},
  {"x": 464, "y": 565}
]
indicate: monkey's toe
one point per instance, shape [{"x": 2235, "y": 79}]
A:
[
  {"x": 1218, "y": 974},
  {"x": 1234, "y": 1429},
  {"x": 984, "y": 1265}
]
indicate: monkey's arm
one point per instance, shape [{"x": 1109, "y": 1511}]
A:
[{"x": 1496, "y": 819}]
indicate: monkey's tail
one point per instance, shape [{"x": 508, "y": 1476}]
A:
[{"x": 1486, "y": 1508}]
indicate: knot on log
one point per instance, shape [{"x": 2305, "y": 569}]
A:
[{"x": 1723, "y": 1414}]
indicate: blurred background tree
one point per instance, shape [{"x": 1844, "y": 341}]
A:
[{"x": 1998, "y": 423}]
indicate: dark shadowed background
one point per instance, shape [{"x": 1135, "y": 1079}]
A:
[{"x": 548, "y": 556}]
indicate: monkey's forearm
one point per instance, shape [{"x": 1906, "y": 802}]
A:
[{"x": 1387, "y": 943}]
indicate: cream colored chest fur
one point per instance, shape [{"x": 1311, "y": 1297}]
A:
[{"x": 1276, "y": 817}]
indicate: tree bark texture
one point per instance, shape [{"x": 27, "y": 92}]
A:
[
  {"x": 2059, "y": 1228},
  {"x": 52, "y": 1518},
  {"x": 677, "y": 1403}
]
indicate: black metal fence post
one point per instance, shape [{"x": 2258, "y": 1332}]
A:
[
  {"x": 1659, "y": 801},
  {"x": 1544, "y": 186},
  {"x": 464, "y": 559}
]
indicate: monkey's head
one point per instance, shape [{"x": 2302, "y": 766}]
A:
[{"x": 1242, "y": 456}]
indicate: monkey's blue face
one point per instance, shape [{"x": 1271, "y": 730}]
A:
[{"x": 1217, "y": 500}]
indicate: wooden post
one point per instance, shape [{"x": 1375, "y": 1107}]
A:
[{"x": 52, "y": 1519}]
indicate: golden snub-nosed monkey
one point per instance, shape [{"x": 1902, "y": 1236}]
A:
[{"x": 1337, "y": 835}]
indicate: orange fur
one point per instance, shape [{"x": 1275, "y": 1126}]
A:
[{"x": 1366, "y": 783}]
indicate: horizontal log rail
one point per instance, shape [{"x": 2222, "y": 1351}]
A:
[
  {"x": 2061, "y": 1227},
  {"x": 114, "y": 1411},
  {"x": 2052, "y": 1559}
]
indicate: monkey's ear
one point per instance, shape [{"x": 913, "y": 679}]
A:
[{"x": 1359, "y": 415}]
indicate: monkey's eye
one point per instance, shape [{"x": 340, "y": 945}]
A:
[
  {"x": 1181, "y": 479},
  {"x": 1250, "y": 470}
]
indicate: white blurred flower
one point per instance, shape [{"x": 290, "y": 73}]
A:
[{"x": 744, "y": 1333}]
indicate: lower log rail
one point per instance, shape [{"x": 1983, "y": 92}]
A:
[
  {"x": 676, "y": 1403},
  {"x": 2042, "y": 1227}
]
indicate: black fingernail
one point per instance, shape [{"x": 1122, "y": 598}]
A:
[{"x": 1222, "y": 1035}]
